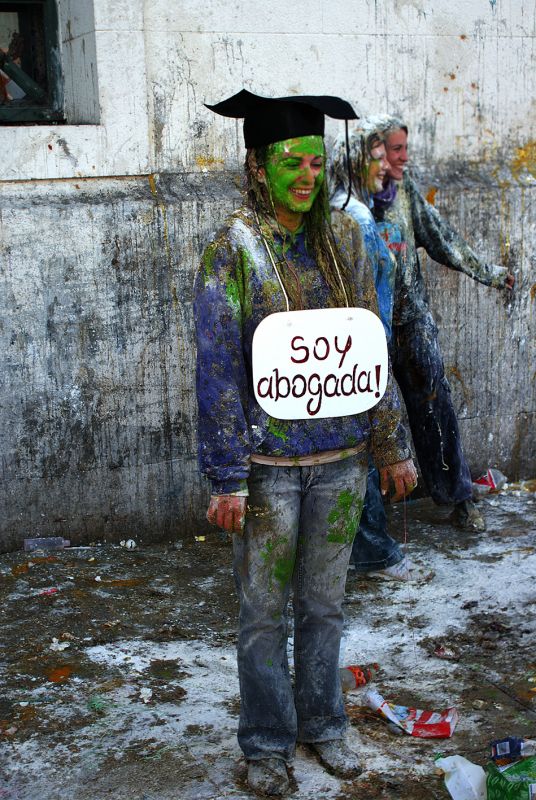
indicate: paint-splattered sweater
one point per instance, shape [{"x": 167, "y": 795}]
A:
[
  {"x": 235, "y": 288},
  {"x": 411, "y": 222},
  {"x": 383, "y": 264}
]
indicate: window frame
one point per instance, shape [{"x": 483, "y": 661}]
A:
[{"x": 52, "y": 110}]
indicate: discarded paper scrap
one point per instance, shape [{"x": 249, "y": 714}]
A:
[{"x": 424, "y": 724}]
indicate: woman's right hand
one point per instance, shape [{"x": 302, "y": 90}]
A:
[
  {"x": 402, "y": 476},
  {"x": 228, "y": 511}
]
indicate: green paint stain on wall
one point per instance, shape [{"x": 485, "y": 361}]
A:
[{"x": 344, "y": 518}]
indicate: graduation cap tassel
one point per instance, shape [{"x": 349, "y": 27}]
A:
[{"x": 349, "y": 166}]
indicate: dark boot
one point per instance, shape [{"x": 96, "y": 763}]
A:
[
  {"x": 467, "y": 517},
  {"x": 337, "y": 758},
  {"x": 268, "y": 776}
]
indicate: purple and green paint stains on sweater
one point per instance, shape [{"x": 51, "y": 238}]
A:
[
  {"x": 383, "y": 264},
  {"x": 235, "y": 289}
]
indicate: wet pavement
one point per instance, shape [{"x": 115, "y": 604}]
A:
[{"x": 118, "y": 673}]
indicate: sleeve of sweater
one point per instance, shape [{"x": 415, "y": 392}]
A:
[
  {"x": 389, "y": 440},
  {"x": 223, "y": 435},
  {"x": 444, "y": 244}
]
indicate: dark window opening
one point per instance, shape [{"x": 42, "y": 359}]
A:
[{"x": 30, "y": 70}]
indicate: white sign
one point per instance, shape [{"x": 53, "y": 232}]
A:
[{"x": 329, "y": 362}]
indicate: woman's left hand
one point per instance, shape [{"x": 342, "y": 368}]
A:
[{"x": 402, "y": 475}]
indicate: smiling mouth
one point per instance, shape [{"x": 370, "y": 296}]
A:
[{"x": 302, "y": 194}]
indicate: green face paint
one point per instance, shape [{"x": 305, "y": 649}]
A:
[{"x": 295, "y": 172}]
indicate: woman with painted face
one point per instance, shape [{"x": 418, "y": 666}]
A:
[
  {"x": 291, "y": 491},
  {"x": 366, "y": 170},
  {"x": 352, "y": 187},
  {"x": 407, "y": 221}
]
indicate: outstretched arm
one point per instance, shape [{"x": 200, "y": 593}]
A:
[{"x": 446, "y": 246}]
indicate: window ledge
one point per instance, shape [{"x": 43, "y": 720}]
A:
[{"x": 44, "y": 152}]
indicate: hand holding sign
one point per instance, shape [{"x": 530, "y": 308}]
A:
[{"x": 330, "y": 362}]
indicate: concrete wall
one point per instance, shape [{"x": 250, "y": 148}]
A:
[{"x": 102, "y": 221}]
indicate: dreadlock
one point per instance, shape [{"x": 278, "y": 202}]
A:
[{"x": 319, "y": 237}]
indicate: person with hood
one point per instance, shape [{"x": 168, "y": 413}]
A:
[
  {"x": 352, "y": 186},
  {"x": 407, "y": 221},
  {"x": 289, "y": 491}
]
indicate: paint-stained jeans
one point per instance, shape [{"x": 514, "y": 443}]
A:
[
  {"x": 419, "y": 371},
  {"x": 373, "y": 548},
  {"x": 300, "y": 526}
]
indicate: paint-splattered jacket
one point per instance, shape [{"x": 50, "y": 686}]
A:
[
  {"x": 383, "y": 264},
  {"x": 410, "y": 222},
  {"x": 235, "y": 289}
]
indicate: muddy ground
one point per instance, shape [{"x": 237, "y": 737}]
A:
[{"x": 118, "y": 675}]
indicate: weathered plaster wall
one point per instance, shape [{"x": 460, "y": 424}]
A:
[
  {"x": 98, "y": 431},
  {"x": 97, "y": 404}
]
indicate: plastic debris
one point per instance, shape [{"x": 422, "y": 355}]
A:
[
  {"x": 463, "y": 779},
  {"x": 414, "y": 721},
  {"x": 58, "y": 646},
  {"x": 505, "y": 751},
  {"x": 146, "y": 694},
  {"x": 491, "y": 481},
  {"x": 128, "y": 544},
  {"x": 48, "y": 592},
  {"x": 46, "y": 543},
  {"x": 514, "y": 782},
  {"x": 97, "y": 704},
  {"x": 447, "y": 652},
  {"x": 353, "y": 677},
  {"x": 200, "y": 538}
]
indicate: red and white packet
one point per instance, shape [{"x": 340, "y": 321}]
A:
[{"x": 424, "y": 724}]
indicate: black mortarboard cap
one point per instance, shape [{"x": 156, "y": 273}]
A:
[{"x": 274, "y": 119}]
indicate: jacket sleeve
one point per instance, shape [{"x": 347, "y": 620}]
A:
[
  {"x": 445, "y": 245},
  {"x": 223, "y": 435},
  {"x": 385, "y": 274},
  {"x": 388, "y": 440}
]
